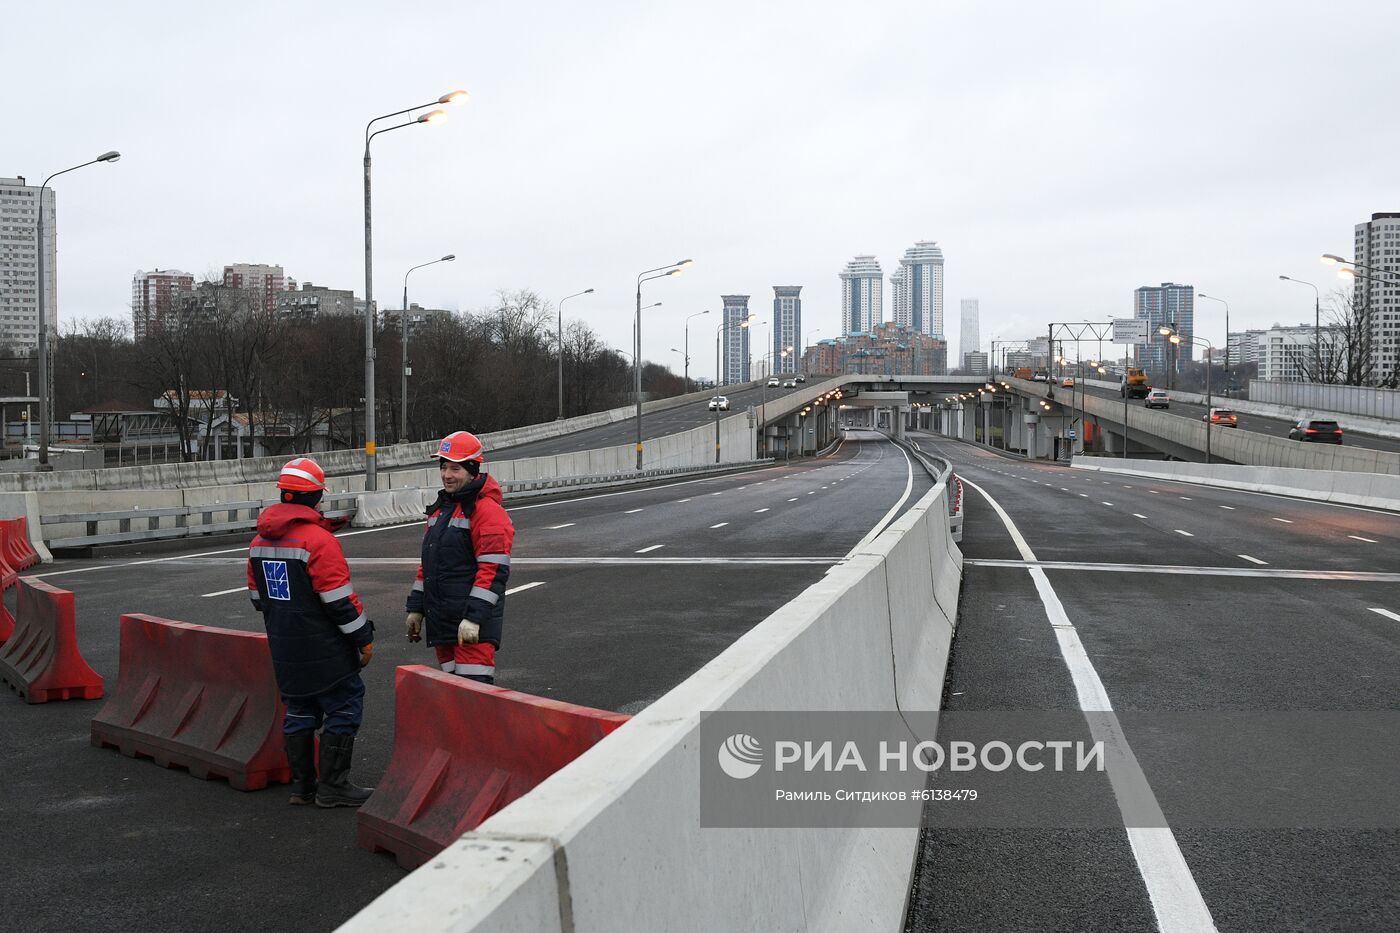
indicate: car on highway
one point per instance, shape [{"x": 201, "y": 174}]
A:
[
  {"x": 719, "y": 403},
  {"x": 772, "y": 382},
  {"x": 790, "y": 384},
  {"x": 1222, "y": 416},
  {"x": 1067, "y": 382},
  {"x": 799, "y": 378},
  {"x": 1158, "y": 398},
  {"x": 1317, "y": 430}
]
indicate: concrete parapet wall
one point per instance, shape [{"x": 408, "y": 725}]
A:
[
  {"x": 613, "y": 841},
  {"x": 1372, "y": 490}
]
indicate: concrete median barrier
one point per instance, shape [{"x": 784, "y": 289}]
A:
[
  {"x": 41, "y": 660},
  {"x": 200, "y": 698},
  {"x": 462, "y": 751},
  {"x": 613, "y": 841}
]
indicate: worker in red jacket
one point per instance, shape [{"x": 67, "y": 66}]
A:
[
  {"x": 318, "y": 632},
  {"x": 460, "y": 593}
]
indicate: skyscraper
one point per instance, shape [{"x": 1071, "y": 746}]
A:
[
  {"x": 969, "y": 338},
  {"x": 899, "y": 301},
  {"x": 1168, "y": 303},
  {"x": 734, "y": 340},
  {"x": 19, "y": 263},
  {"x": 787, "y": 327},
  {"x": 921, "y": 288},
  {"x": 862, "y": 295},
  {"x": 154, "y": 295},
  {"x": 1377, "y": 252}
]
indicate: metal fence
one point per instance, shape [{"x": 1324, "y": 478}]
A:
[{"x": 1350, "y": 400}]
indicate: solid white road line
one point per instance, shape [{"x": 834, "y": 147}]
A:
[
  {"x": 1136, "y": 515},
  {"x": 894, "y": 509},
  {"x": 720, "y": 525},
  {"x": 1171, "y": 888},
  {"x": 632, "y": 511},
  {"x": 1108, "y": 503},
  {"x": 524, "y": 586},
  {"x": 1286, "y": 521},
  {"x": 1347, "y": 576},
  {"x": 1230, "y": 507},
  {"x": 1253, "y": 560},
  {"x": 1385, "y": 612},
  {"x": 1186, "y": 533},
  {"x": 757, "y": 511},
  {"x": 236, "y": 589},
  {"x": 654, "y": 547},
  {"x": 1367, "y": 540},
  {"x": 557, "y": 527}
]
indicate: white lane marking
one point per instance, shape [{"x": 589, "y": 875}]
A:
[
  {"x": 1286, "y": 521},
  {"x": 682, "y": 500},
  {"x": 1344, "y": 576},
  {"x": 720, "y": 493},
  {"x": 1108, "y": 503},
  {"x": 1252, "y": 560},
  {"x": 894, "y": 509},
  {"x": 1367, "y": 540},
  {"x": 794, "y": 499},
  {"x": 1126, "y": 486},
  {"x": 720, "y": 525},
  {"x": 236, "y": 589},
  {"x": 1171, "y": 888},
  {"x": 756, "y": 511},
  {"x": 1083, "y": 495},
  {"x": 1385, "y": 612},
  {"x": 1064, "y": 489},
  {"x": 1136, "y": 515},
  {"x": 812, "y": 493},
  {"x": 632, "y": 511},
  {"x": 1154, "y": 492},
  {"x": 654, "y": 547},
  {"x": 59, "y": 573},
  {"x": 1186, "y": 533},
  {"x": 1187, "y": 498},
  {"x": 524, "y": 586},
  {"x": 1230, "y": 507},
  {"x": 557, "y": 527}
]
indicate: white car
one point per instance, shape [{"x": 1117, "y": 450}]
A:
[
  {"x": 1158, "y": 398},
  {"x": 719, "y": 403},
  {"x": 772, "y": 382}
]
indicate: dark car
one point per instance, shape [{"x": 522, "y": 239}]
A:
[{"x": 1316, "y": 429}]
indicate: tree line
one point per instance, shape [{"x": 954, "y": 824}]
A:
[{"x": 295, "y": 378}]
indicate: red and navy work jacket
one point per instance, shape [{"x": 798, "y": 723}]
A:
[
  {"x": 299, "y": 581},
  {"x": 465, "y": 564}
]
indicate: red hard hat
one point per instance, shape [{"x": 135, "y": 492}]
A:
[
  {"x": 461, "y": 446},
  {"x": 302, "y": 475}
]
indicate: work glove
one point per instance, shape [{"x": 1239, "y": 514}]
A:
[
  {"x": 366, "y": 653},
  {"x": 414, "y": 625},
  {"x": 468, "y": 633}
]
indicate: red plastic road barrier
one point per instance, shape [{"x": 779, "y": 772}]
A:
[
  {"x": 199, "y": 698},
  {"x": 41, "y": 660},
  {"x": 14, "y": 543},
  {"x": 462, "y": 751},
  {"x": 8, "y": 578}
]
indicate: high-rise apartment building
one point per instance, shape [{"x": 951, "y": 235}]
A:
[
  {"x": 899, "y": 301},
  {"x": 314, "y": 301},
  {"x": 975, "y": 363},
  {"x": 265, "y": 280},
  {"x": 920, "y": 297},
  {"x": 1168, "y": 303},
  {"x": 862, "y": 295},
  {"x": 787, "y": 327},
  {"x": 970, "y": 336},
  {"x": 1376, "y": 294},
  {"x": 19, "y": 263},
  {"x": 154, "y": 296},
  {"x": 734, "y": 340}
]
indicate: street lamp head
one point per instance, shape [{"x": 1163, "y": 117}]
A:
[
  {"x": 433, "y": 117},
  {"x": 109, "y": 156},
  {"x": 448, "y": 258},
  {"x": 1328, "y": 259},
  {"x": 454, "y": 97},
  {"x": 588, "y": 291},
  {"x": 685, "y": 262},
  {"x": 1164, "y": 330},
  {"x": 1175, "y": 338},
  {"x": 674, "y": 272},
  {"x": 1346, "y": 274}
]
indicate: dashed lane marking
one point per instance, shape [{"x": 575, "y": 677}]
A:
[
  {"x": 1385, "y": 612},
  {"x": 720, "y": 525},
  {"x": 524, "y": 586},
  {"x": 1186, "y": 533},
  {"x": 1286, "y": 521},
  {"x": 654, "y": 547},
  {"x": 1367, "y": 540},
  {"x": 236, "y": 589},
  {"x": 557, "y": 527}
]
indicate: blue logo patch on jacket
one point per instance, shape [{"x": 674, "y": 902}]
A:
[{"x": 278, "y": 586}]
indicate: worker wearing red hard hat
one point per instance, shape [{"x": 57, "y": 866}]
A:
[
  {"x": 459, "y": 597},
  {"x": 318, "y": 632}
]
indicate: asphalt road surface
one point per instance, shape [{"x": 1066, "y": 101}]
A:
[
  {"x": 1274, "y": 604},
  {"x": 614, "y": 599},
  {"x": 1276, "y": 427},
  {"x": 657, "y": 424}
]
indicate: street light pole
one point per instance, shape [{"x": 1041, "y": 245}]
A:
[
  {"x": 1227, "y": 335},
  {"x": 686, "y": 354},
  {"x": 723, "y": 325},
  {"x": 403, "y": 348},
  {"x": 1317, "y": 330},
  {"x": 45, "y": 394},
  {"x": 669, "y": 269},
  {"x": 559, "y": 346},
  {"x": 433, "y": 117}
]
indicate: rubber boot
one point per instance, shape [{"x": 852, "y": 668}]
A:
[
  {"x": 335, "y": 789},
  {"x": 301, "y": 756}
]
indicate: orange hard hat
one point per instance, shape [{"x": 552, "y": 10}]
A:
[
  {"x": 302, "y": 475},
  {"x": 460, "y": 446}
]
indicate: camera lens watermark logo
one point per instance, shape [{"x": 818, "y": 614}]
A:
[{"x": 740, "y": 756}]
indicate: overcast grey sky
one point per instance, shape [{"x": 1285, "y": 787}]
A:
[{"x": 1060, "y": 153}]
